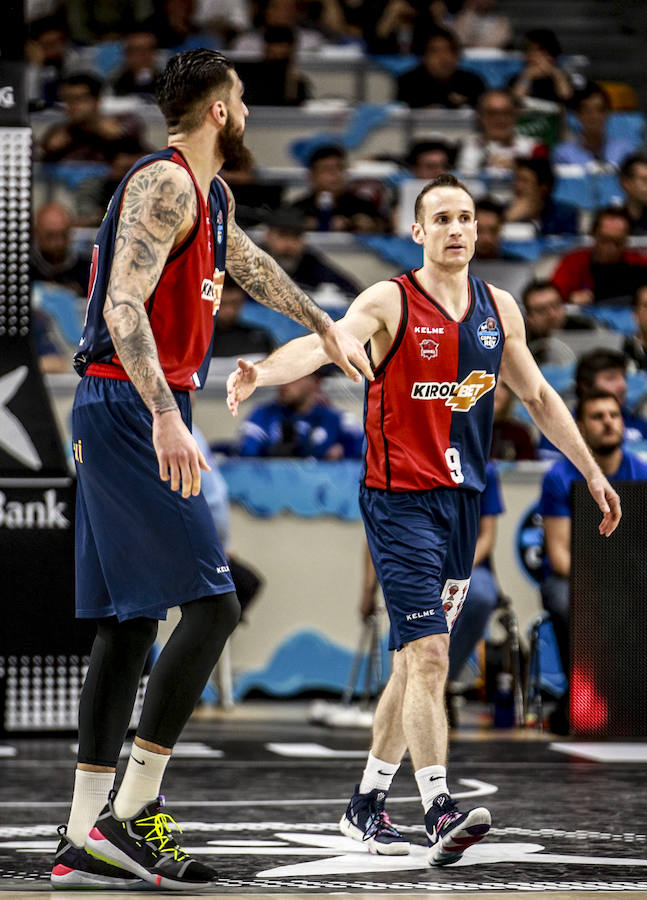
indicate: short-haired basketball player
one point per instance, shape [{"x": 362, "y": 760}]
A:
[
  {"x": 145, "y": 538},
  {"x": 439, "y": 339}
]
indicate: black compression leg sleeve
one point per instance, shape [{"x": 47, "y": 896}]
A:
[
  {"x": 184, "y": 665},
  {"x": 117, "y": 661}
]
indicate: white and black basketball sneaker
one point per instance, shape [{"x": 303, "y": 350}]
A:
[
  {"x": 450, "y": 832},
  {"x": 74, "y": 868},
  {"x": 366, "y": 820}
]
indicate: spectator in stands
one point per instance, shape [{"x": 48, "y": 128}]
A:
[
  {"x": 396, "y": 27},
  {"x": 279, "y": 14},
  {"x": 483, "y": 593},
  {"x": 52, "y": 257},
  {"x": 635, "y": 346},
  {"x": 633, "y": 180},
  {"x": 511, "y": 439},
  {"x": 93, "y": 194},
  {"x": 84, "y": 134},
  {"x": 285, "y": 241},
  {"x": 174, "y": 23},
  {"x": 141, "y": 66},
  {"x": 231, "y": 336},
  {"x": 49, "y": 58},
  {"x": 104, "y": 19},
  {"x": 275, "y": 79},
  {"x": 331, "y": 204},
  {"x": 222, "y": 20},
  {"x": 606, "y": 370},
  {"x": 489, "y": 216},
  {"x": 480, "y": 24},
  {"x": 599, "y": 418},
  {"x": 546, "y": 313},
  {"x": 428, "y": 159},
  {"x": 541, "y": 77},
  {"x": 606, "y": 273},
  {"x": 533, "y": 202},
  {"x": 301, "y": 424},
  {"x": 496, "y": 144},
  {"x": 254, "y": 197},
  {"x": 591, "y": 144},
  {"x": 438, "y": 81}
]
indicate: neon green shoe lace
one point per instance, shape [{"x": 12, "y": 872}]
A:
[{"x": 160, "y": 831}]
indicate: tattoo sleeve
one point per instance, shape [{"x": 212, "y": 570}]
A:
[
  {"x": 159, "y": 204},
  {"x": 265, "y": 280}
]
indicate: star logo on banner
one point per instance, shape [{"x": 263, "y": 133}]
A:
[{"x": 14, "y": 439}]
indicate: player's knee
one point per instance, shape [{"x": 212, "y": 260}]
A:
[
  {"x": 135, "y": 636},
  {"x": 428, "y": 657},
  {"x": 213, "y": 615}
]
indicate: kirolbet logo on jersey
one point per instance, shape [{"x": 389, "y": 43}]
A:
[{"x": 460, "y": 396}]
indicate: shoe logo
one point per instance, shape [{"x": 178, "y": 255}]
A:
[
  {"x": 140, "y": 762},
  {"x": 381, "y": 796},
  {"x": 440, "y": 801}
]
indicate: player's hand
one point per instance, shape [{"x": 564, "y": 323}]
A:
[
  {"x": 179, "y": 457},
  {"x": 609, "y": 503},
  {"x": 346, "y": 351},
  {"x": 241, "y": 384}
]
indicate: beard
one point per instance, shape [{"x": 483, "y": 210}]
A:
[
  {"x": 608, "y": 449},
  {"x": 231, "y": 147}
]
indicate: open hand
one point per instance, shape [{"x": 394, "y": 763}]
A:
[
  {"x": 241, "y": 384},
  {"x": 346, "y": 351},
  {"x": 609, "y": 503}
]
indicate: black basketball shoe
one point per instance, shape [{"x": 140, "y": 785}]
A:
[
  {"x": 366, "y": 820},
  {"x": 75, "y": 868},
  {"x": 450, "y": 832}
]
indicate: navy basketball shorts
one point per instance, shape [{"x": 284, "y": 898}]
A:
[
  {"x": 422, "y": 546},
  {"x": 140, "y": 547}
]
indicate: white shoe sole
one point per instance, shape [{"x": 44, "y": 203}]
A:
[
  {"x": 75, "y": 878},
  {"x": 397, "y": 848},
  {"x": 451, "y": 847}
]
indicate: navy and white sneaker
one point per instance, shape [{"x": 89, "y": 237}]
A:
[
  {"x": 144, "y": 846},
  {"x": 366, "y": 820},
  {"x": 450, "y": 832},
  {"x": 74, "y": 868}
]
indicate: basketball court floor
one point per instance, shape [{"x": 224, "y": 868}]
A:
[{"x": 259, "y": 792}]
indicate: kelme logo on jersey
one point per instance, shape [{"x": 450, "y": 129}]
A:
[
  {"x": 489, "y": 333},
  {"x": 460, "y": 396}
]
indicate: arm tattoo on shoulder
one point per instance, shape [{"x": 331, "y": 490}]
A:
[
  {"x": 158, "y": 204},
  {"x": 266, "y": 282}
]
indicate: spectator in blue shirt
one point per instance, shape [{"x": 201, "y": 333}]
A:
[
  {"x": 301, "y": 424},
  {"x": 592, "y": 144},
  {"x": 599, "y": 418},
  {"x": 533, "y": 202}
]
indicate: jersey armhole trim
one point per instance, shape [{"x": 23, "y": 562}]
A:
[
  {"x": 496, "y": 307},
  {"x": 399, "y": 335}
]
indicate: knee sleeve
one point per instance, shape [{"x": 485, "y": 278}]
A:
[
  {"x": 118, "y": 657},
  {"x": 184, "y": 666}
]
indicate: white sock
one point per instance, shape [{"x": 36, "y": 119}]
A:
[
  {"x": 90, "y": 795},
  {"x": 377, "y": 774},
  {"x": 432, "y": 781},
  {"x": 141, "y": 782}
]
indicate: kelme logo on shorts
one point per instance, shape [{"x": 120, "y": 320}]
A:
[{"x": 459, "y": 396}]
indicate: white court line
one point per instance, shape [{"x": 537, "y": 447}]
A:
[{"x": 603, "y": 752}]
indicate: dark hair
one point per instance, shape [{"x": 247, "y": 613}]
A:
[
  {"x": 537, "y": 284},
  {"x": 487, "y": 205},
  {"x": 446, "y": 35},
  {"x": 590, "y": 89},
  {"x": 612, "y": 212},
  {"x": 188, "y": 85},
  {"x": 278, "y": 34},
  {"x": 54, "y": 22},
  {"x": 629, "y": 163},
  {"x": 420, "y": 147},
  {"x": 541, "y": 168},
  {"x": 445, "y": 179},
  {"x": 594, "y": 362},
  {"x": 83, "y": 79},
  {"x": 588, "y": 397},
  {"x": 544, "y": 38},
  {"x": 326, "y": 152}
]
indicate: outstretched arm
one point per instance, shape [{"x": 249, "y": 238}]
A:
[
  {"x": 520, "y": 371},
  {"x": 266, "y": 282},
  {"x": 303, "y": 355},
  {"x": 158, "y": 209}
]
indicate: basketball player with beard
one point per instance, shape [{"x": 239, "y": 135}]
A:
[{"x": 145, "y": 539}]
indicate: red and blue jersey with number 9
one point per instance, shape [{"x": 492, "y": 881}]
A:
[
  {"x": 428, "y": 415},
  {"x": 183, "y": 305}
]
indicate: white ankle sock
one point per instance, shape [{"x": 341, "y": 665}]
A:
[
  {"x": 377, "y": 774},
  {"x": 141, "y": 782},
  {"x": 90, "y": 795},
  {"x": 432, "y": 781}
]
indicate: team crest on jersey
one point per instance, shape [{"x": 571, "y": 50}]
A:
[
  {"x": 489, "y": 333},
  {"x": 429, "y": 349},
  {"x": 462, "y": 396}
]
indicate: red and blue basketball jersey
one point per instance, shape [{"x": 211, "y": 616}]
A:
[
  {"x": 428, "y": 415},
  {"x": 183, "y": 306}
]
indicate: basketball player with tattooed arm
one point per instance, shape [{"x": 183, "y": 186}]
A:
[
  {"x": 439, "y": 339},
  {"x": 146, "y": 540}
]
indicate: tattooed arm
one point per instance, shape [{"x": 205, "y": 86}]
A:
[
  {"x": 265, "y": 281},
  {"x": 158, "y": 211}
]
